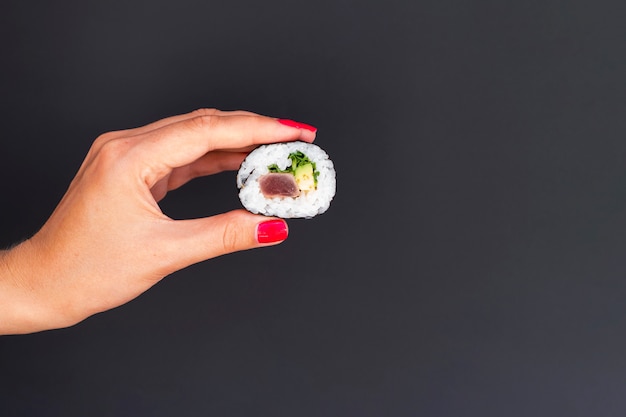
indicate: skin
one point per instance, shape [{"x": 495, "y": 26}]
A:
[{"x": 108, "y": 241}]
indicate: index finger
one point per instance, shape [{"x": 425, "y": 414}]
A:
[
  {"x": 178, "y": 118},
  {"x": 181, "y": 143}
]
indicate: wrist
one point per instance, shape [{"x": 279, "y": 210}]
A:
[{"x": 20, "y": 310}]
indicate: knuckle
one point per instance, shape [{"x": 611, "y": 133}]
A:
[
  {"x": 112, "y": 150},
  {"x": 204, "y": 119},
  {"x": 114, "y": 146},
  {"x": 102, "y": 139},
  {"x": 231, "y": 238},
  {"x": 205, "y": 112}
]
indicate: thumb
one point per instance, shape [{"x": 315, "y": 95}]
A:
[{"x": 229, "y": 232}]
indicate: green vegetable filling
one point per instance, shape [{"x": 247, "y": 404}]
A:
[{"x": 302, "y": 168}]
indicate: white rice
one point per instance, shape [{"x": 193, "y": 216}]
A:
[{"x": 306, "y": 205}]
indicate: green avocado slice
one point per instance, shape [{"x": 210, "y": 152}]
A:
[{"x": 304, "y": 177}]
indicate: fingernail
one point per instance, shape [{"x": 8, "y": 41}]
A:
[
  {"x": 271, "y": 231},
  {"x": 299, "y": 125}
]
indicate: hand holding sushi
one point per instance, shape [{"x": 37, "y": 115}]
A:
[{"x": 108, "y": 241}]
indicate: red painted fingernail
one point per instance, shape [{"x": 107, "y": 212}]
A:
[
  {"x": 271, "y": 231},
  {"x": 299, "y": 125}
]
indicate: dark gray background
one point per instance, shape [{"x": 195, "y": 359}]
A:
[{"x": 471, "y": 264}]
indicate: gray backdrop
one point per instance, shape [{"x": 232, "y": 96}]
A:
[{"x": 471, "y": 264}]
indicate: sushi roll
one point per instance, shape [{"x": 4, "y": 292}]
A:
[{"x": 288, "y": 180}]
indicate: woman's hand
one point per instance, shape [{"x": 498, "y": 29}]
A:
[{"x": 108, "y": 241}]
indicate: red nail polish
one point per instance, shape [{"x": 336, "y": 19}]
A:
[
  {"x": 299, "y": 125},
  {"x": 271, "y": 231}
]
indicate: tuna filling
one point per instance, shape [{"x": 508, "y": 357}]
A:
[{"x": 279, "y": 185}]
